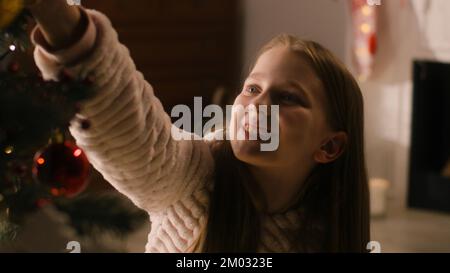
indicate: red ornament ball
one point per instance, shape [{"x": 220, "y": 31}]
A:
[
  {"x": 14, "y": 67},
  {"x": 63, "y": 167}
]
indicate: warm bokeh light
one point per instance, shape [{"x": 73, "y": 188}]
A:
[
  {"x": 54, "y": 192},
  {"x": 9, "y": 150},
  {"x": 365, "y": 28},
  {"x": 366, "y": 11},
  {"x": 77, "y": 153}
]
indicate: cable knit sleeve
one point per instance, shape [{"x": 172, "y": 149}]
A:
[{"x": 129, "y": 140}]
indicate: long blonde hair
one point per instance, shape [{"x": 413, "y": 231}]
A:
[{"x": 335, "y": 195}]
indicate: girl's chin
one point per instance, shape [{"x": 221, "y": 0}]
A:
[
  {"x": 246, "y": 145},
  {"x": 249, "y": 151}
]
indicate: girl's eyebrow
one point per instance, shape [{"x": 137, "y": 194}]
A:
[{"x": 256, "y": 76}]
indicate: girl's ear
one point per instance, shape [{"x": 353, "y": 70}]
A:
[{"x": 331, "y": 149}]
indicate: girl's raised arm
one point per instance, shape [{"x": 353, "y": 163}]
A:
[{"x": 129, "y": 140}]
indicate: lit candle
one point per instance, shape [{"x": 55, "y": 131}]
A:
[{"x": 378, "y": 196}]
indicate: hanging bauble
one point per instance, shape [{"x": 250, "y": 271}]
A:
[{"x": 63, "y": 167}]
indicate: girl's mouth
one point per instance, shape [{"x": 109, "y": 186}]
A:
[{"x": 259, "y": 133}]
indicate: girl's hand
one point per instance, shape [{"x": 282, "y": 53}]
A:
[{"x": 60, "y": 23}]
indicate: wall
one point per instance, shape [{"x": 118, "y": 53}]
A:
[
  {"x": 324, "y": 21},
  {"x": 408, "y": 31}
]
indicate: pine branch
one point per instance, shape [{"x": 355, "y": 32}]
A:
[
  {"x": 8, "y": 230},
  {"x": 31, "y": 109},
  {"x": 91, "y": 213},
  {"x": 16, "y": 33}
]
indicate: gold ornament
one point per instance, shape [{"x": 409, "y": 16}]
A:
[{"x": 9, "y": 10}]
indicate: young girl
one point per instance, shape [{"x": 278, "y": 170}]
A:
[{"x": 309, "y": 195}]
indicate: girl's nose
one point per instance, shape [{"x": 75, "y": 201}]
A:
[{"x": 263, "y": 99}]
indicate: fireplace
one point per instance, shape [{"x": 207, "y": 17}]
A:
[{"x": 429, "y": 180}]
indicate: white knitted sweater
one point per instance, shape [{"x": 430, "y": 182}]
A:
[{"x": 130, "y": 144}]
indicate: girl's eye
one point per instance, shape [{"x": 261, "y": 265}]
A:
[
  {"x": 289, "y": 98},
  {"x": 251, "y": 89}
]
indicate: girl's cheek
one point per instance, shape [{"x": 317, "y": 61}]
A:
[{"x": 294, "y": 123}]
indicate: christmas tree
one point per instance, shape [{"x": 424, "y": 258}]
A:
[{"x": 39, "y": 164}]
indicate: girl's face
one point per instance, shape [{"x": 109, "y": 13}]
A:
[{"x": 281, "y": 77}]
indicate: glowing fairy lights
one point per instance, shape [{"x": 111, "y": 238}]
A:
[{"x": 365, "y": 39}]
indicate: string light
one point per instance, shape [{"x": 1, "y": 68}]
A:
[
  {"x": 365, "y": 28},
  {"x": 55, "y": 192},
  {"x": 11, "y": 48},
  {"x": 366, "y": 11},
  {"x": 77, "y": 153},
  {"x": 364, "y": 16},
  {"x": 9, "y": 150}
]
